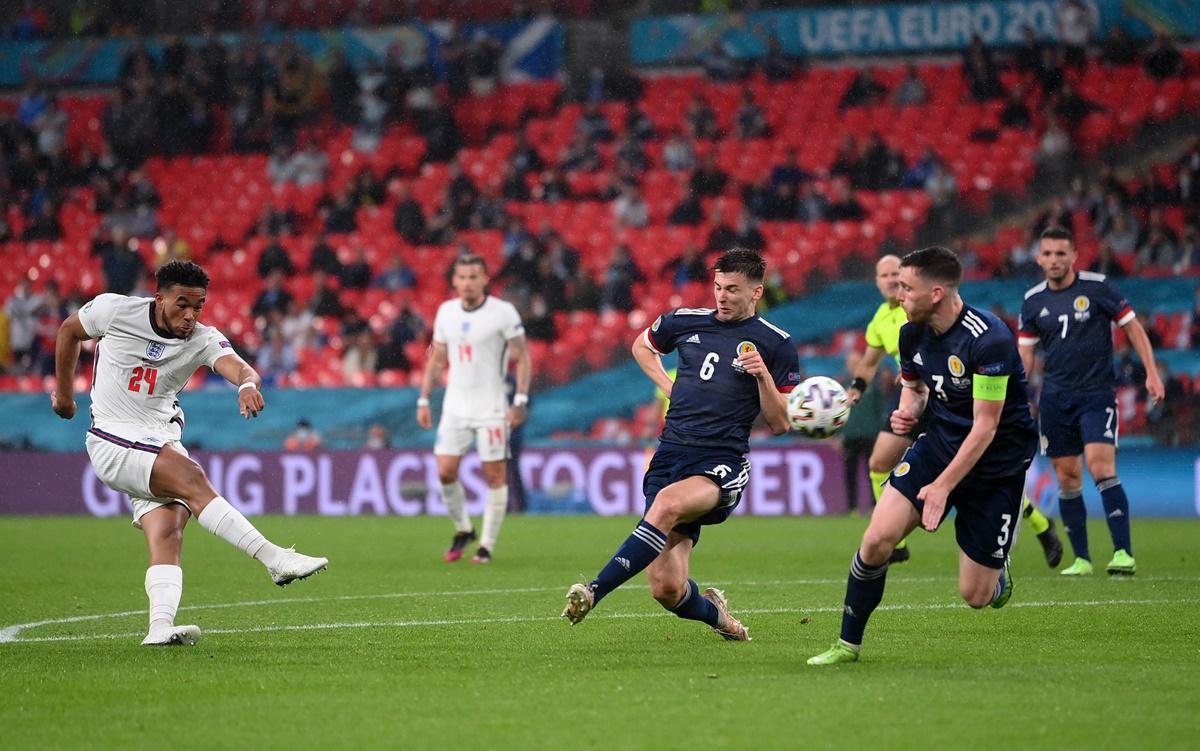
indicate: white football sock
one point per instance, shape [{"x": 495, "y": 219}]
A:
[
  {"x": 493, "y": 516},
  {"x": 226, "y": 522},
  {"x": 455, "y": 499},
  {"x": 164, "y": 587}
]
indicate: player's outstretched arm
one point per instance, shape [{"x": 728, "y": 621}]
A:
[
  {"x": 518, "y": 351},
  {"x": 868, "y": 366},
  {"x": 238, "y": 372},
  {"x": 1141, "y": 344},
  {"x": 433, "y": 369},
  {"x": 71, "y": 335},
  {"x": 651, "y": 363},
  {"x": 986, "y": 413}
]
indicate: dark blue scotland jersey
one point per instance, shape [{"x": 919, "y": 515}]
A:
[
  {"x": 1074, "y": 327},
  {"x": 977, "y": 344},
  {"x": 714, "y": 402}
]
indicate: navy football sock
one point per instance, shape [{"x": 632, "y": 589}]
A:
[
  {"x": 1116, "y": 512},
  {"x": 1074, "y": 516},
  {"x": 637, "y": 552},
  {"x": 695, "y": 607},
  {"x": 1000, "y": 585},
  {"x": 864, "y": 591}
]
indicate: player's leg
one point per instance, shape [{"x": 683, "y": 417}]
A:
[
  {"x": 985, "y": 527},
  {"x": 1069, "y": 470},
  {"x": 980, "y": 586},
  {"x": 492, "y": 442},
  {"x": 682, "y": 501},
  {"x": 175, "y": 475},
  {"x": 1043, "y": 527},
  {"x": 671, "y": 586},
  {"x": 495, "y": 475},
  {"x": 891, "y": 521},
  {"x": 889, "y": 449},
  {"x": 1102, "y": 465},
  {"x": 163, "y": 526},
  {"x": 453, "y": 441}
]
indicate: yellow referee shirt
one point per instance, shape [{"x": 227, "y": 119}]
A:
[{"x": 883, "y": 331}]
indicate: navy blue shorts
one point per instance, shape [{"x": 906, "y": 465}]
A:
[
  {"x": 728, "y": 470},
  {"x": 988, "y": 510},
  {"x": 1068, "y": 421},
  {"x": 893, "y": 405}
]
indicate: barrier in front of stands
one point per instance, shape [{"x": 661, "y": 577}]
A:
[
  {"x": 532, "y": 50},
  {"x": 888, "y": 27},
  {"x": 799, "y": 479}
]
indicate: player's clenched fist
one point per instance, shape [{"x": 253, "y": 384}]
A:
[
  {"x": 903, "y": 422},
  {"x": 250, "y": 403},
  {"x": 753, "y": 364},
  {"x": 63, "y": 406},
  {"x": 424, "y": 417}
]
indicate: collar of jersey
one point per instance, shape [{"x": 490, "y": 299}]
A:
[
  {"x": 154, "y": 324},
  {"x": 730, "y": 324},
  {"x": 465, "y": 309}
]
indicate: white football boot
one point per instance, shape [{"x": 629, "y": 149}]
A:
[
  {"x": 172, "y": 636},
  {"x": 293, "y": 566}
]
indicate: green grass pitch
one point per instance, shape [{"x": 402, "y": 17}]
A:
[{"x": 393, "y": 648}]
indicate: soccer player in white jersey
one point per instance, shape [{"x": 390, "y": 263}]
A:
[
  {"x": 148, "y": 349},
  {"x": 478, "y": 336}
]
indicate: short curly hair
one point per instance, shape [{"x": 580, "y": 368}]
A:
[{"x": 182, "y": 273}]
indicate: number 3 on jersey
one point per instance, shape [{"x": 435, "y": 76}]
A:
[{"x": 143, "y": 375}]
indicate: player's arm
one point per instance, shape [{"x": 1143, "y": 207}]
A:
[
  {"x": 433, "y": 371},
  {"x": 868, "y": 366},
  {"x": 238, "y": 372},
  {"x": 650, "y": 361},
  {"x": 913, "y": 398},
  {"x": 1141, "y": 344},
  {"x": 989, "y": 393},
  {"x": 71, "y": 335},
  {"x": 771, "y": 400},
  {"x": 518, "y": 352}
]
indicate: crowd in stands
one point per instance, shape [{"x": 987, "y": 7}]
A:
[{"x": 321, "y": 278}]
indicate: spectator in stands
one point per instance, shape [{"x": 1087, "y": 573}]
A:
[
  {"x": 553, "y": 187},
  {"x": 408, "y": 219},
  {"x": 844, "y": 207},
  {"x": 276, "y": 358},
  {"x": 1159, "y": 250},
  {"x": 638, "y": 124},
  {"x": 790, "y": 171},
  {"x": 357, "y": 273},
  {"x": 524, "y": 157},
  {"x": 33, "y": 103},
  {"x": 1122, "y": 234},
  {"x": 1162, "y": 59},
  {"x": 404, "y": 328},
  {"x": 718, "y": 64},
  {"x": 514, "y": 234},
  {"x": 361, "y": 356},
  {"x": 580, "y": 155},
  {"x": 396, "y": 276},
  {"x": 685, "y": 268},
  {"x": 747, "y": 234},
  {"x": 170, "y": 247},
  {"x": 50, "y": 127},
  {"x": 911, "y": 90},
  {"x": 1189, "y": 250},
  {"x": 709, "y": 179},
  {"x": 1155, "y": 193},
  {"x": 44, "y": 226},
  {"x": 1107, "y": 263},
  {"x": 811, "y": 206},
  {"x": 1189, "y": 175},
  {"x": 539, "y": 320},
  {"x": 483, "y": 62},
  {"x": 343, "y": 89},
  {"x": 1118, "y": 47},
  {"x": 324, "y": 300},
  {"x": 583, "y": 292},
  {"x": 520, "y": 269},
  {"x": 23, "y": 308},
  {"x": 548, "y": 284},
  {"x": 979, "y": 71},
  {"x": 122, "y": 268},
  {"x": 865, "y": 89},
  {"x": 303, "y": 438},
  {"x": 275, "y": 257},
  {"x": 630, "y": 155},
  {"x": 783, "y": 205},
  {"x": 247, "y": 120},
  {"x": 274, "y": 296},
  {"x": 778, "y": 66},
  {"x": 880, "y": 168},
  {"x": 688, "y": 211},
  {"x": 700, "y": 121},
  {"x": 513, "y": 185},
  {"x": 678, "y": 153},
  {"x": 620, "y": 276},
  {"x": 721, "y": 237},
  {"x": 1054, "y": 149},
  {"x": 1076, "y": 24},
  {"x": 489, "y": 211},
  {"x": 340, "y": 217},
  {"x": 750, "y": 121},
  {"x": 593, "y": 125},
  {"x": 377, "y": 437},
  {"x": 372, "y": 109},
  {"x": 630, "y": 210},
  {"x": 1071, "y": 106},
  {"x": 1016, "y": 113},
  {"x": 324, "y": 257},
  {"x": 942, "y": 188},
  {"x": 564, "y": 260}
]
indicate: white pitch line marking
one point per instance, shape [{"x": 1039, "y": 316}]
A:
[{"x": 540, "y": 619}]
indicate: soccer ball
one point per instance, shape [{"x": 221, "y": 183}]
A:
[{"x": 818, "y": 408}]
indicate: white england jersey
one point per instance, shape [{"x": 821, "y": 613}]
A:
[
  {"x": 139, "y": 371},
  {"x": 477, "y": 350}
]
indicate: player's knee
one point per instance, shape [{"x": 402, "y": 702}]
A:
[
  {"x": 975, "y": 595},
  {"x": 446, "y": 478},
  {"x": 877, "y": 545},
  {"x": 1102, "y": 470},
  {"x": 668, "y": 593},
  {"x": 879, "y": 464}
]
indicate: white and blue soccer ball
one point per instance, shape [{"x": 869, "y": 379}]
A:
[{"x": 818, "y": 408}]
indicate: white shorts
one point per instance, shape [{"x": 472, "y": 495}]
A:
[
  {"x": 123, "y": 457},
  {"x": 455, "y": 435}
]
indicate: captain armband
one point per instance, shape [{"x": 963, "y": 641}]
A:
[{"x": 989, "y": 388}]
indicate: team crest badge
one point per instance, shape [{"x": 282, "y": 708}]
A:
[
  {"x": 901, "y": 469},
  {"x": 154, "y": 350},
  {"x": 1081, "y": 305},
  {"x": 956, "y": 366},
  {"x": 742, "y": 348}
]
